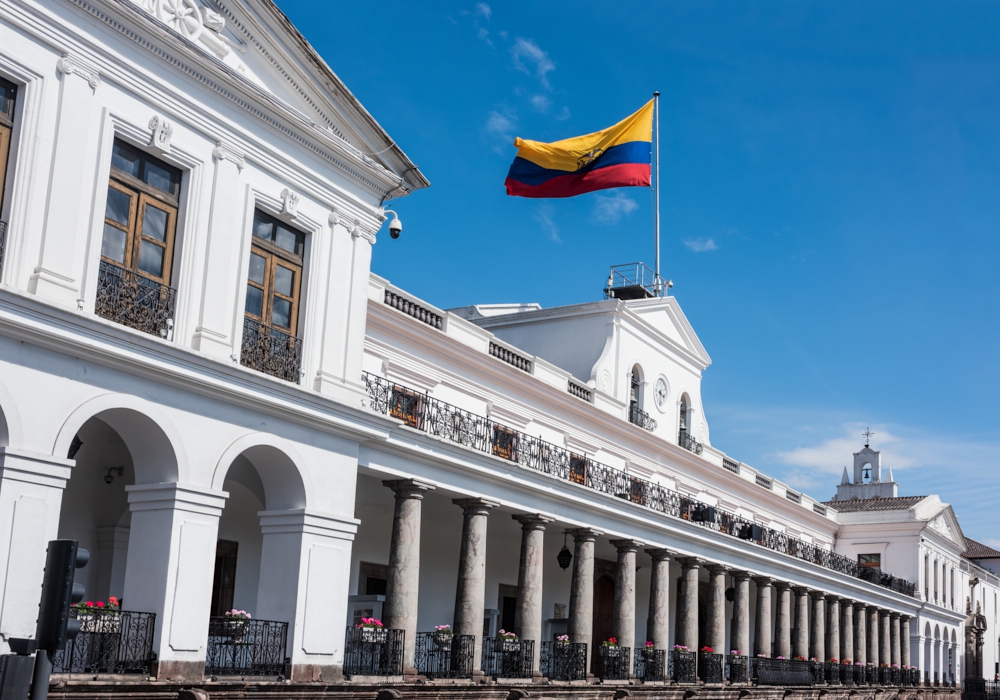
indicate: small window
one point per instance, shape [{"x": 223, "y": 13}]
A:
[
  {"x": 578, "y": 469},
  {"x": 8, "y": 97},
  {"x": 870, "y": 561},
  {"x": 275, "y": 275},
  {"x": 504, "y": 442},
  {"x": 406, "y": 405}
]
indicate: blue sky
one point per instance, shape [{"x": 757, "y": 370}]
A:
[{"x": 831, "y": 202}]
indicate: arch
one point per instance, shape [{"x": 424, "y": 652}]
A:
[
  {"x": 684, "y": 418},
  {"x": 286, "y": 482},
  {"x": 154, "y": 443},
  {"x": 636, "y": 383},
  {"x": 10, "y": 420}
]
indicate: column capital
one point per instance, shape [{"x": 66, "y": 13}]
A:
[
  {"x": 716, "y": 568},
  {"x": 532, "y": 521},
  {"x": 660, "y": 554},
  {"x": 689, "y": 563},
  {"x": 818, "y": 595},
  {"x": 584, "y": 534},
  {"x": 475, "y": 506},
  {"x": 764, "y": 580},
  {"x": 783, "y": 585},
  {"x": 627, "y": 545},
  {"x": 741, "y": 574},
  {"x": 408, "y": 488},
  {"x": 844, "y": 602},
  {"x": 905, "y": 618},
  {"x": 176, "y": 496},
  {"x": 801, "y": 590}
]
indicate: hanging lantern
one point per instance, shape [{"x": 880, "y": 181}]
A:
[{"x": 564, "y": 557}]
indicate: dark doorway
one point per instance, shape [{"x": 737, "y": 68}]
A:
[
  {"x": 508, "y": 608},
  {"x": 224, "y": 584},
  {"x": 604, "y": 614}
]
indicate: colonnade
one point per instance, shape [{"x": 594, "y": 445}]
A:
[{"x": 807, "y": 623}]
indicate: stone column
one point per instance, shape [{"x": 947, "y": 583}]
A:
[
  {"x": 581, "y": 594},
  {"x": 885, "y": 637},
  {"x": 402, "y": 588},
  {"x": 847, "y": 629},
  {"x": 470, "y": 596},
  {"x": 528, "y": 614},
  {"x": 658, "y": 623},
  {"x": 873, "y": 627},
  {"x": 860, "y": 633},
  {"x": 717, "y": 608},
  {"x": 801, "y": 641},
  {"x": 895, "y": 648},
  {"x": 687, "y": 617},
  {"x": 783, "y": 643},
  {"x": 741, "y": 613},
  {"x": 762, "y": 622},
  {"x": 833, "y": 628},
  {"x": 818, "y": 631},
  {"x": 904, "y": 640},
  {"x": 624, "y": 617}
]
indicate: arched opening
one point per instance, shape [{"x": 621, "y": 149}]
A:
[
  {"x": 937, "y": 653},
  {"x": 635, "y": 395},
  {"x": 604, "y": 615},
  {"x": 928, "y": 642},
  {"x": 684, "y": 422},
  {"x": 866, "y": 473}
]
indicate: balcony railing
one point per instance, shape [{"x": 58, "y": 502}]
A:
[
  {"x": 246, "y": 647},
  {"x": 128, "y": 298},
  {"x": 507, "y": 658},
  {"x": 427, "y": 414},
  {"x": 412, "y": 309},
  {"x": 684, "y": 666},
  {"x": 564, "y": 661},
  {"x": 613, "y": 663},
  {"x": 271, "y": 351},
  {"x": 685, "y": 440},
  {"x": 711, "y": 667},
  {"x": 636, "y": 416},
  {"x": 444, "y": 655},
  {"x": 650, "y": 664},
  {"x": 737, "y": 668},
  {"x": 115, "y": 642},
  {"x": 3, "y": 242},
  {"x": 785, "y": 671},
  {"x": 373, "y": 652}
]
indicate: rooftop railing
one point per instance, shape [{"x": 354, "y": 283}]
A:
[{"x": 425, "y": 413}]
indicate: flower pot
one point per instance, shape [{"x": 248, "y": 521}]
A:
[
  {"x": 374, "y": 635},
  {"x": 442, "y": 640}
]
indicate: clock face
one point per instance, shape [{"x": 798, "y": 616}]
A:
[{"x": 660, "y": 393}]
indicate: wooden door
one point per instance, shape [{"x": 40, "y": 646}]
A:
[
  {"x": 604, "y": 614},
  {"x": 224, "y": 584}
]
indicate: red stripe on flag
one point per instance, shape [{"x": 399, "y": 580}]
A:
[{"x": 572, "y": 184}]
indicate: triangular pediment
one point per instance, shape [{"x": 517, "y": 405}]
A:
[
  {"x": 946, "y": 524},
  {"x": 665, "y": 316}
]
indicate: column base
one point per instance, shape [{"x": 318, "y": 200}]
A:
[
  {"x": 317, "y": 672},
  {"x": 176, "y": 670}
]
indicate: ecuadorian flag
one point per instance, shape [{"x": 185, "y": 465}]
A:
[{"x": 618, "y": 156}]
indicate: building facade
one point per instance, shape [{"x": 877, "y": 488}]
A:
[{"x": 264, "y": 445}]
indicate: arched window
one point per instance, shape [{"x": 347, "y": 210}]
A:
[
  {"x": 935, "y": 581},
  {"x": 927, "y": 577},
  {"x": 684, "y": 426},
  {"x": 635, "y": 396}
]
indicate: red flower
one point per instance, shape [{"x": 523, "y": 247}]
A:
[{"x": 100, "y": 603}]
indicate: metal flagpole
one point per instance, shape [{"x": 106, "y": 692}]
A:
[{"x": 656, "y": 188}]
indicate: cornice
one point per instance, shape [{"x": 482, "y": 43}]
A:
[
  {"x": 185, "y": 56},
  {"x": 224, "y": 152},
  {"x": 340, "y": 217}
]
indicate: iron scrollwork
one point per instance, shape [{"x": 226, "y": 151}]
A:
[
  {"x": 271, "y": 351},
  {"x": 109, "y": 641},
  {"x": 128, "y": 298},
  {"x": 373, "y": 652},
  {"x": 564, "y": 661},
  {"x": 243, "y": 647},
  {"x": 444, "y": 656},
  {"x": 507, "y": 658}
]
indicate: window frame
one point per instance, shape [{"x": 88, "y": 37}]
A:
[
  {"x": 874, "y": 560},
  {"x": 274, "y": 254},
  {"x": 6, "y": 138}
]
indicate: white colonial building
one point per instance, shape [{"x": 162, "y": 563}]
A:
[{"x": 203, "y": 383}]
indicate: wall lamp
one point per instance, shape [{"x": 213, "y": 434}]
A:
[{"x": 108, "y": 478}]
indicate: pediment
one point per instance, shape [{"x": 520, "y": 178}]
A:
[
  {"x": 667, "y": 318},
  {"x": 947, "y": 525},
  {"x": 257, "y": 41}
]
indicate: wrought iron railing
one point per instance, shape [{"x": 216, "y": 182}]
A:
[
  {"x": 685, "y": 440},
  {"x": 613, "y": 662},
  {"x": 563, "y": 661},
  {"x": 979, "y": 686},
  {"x": 636, "y": 416},
  {"x": 871, "y": 674},
  {"x": 737, "y": 668},
  {"x": 767, "y": 671},
  {"x": 128, "y": 298},
  {"x": 683, "y": 666},
  {"x": 373, "y": 652},
  {"x": 3, "y": 242},
  {"x": 425, "y": 413},
  {"x": 444, "y": 655},
  {"x": 832, "y": 673},
  {"x": 271, "y": 351},
  {"x": 650, "y": 664},
  {"x": 507, "y": 658},
  {"x": 412, "y": 309},
  {"x": 239, "y": 647},
  {"x": 115, "y": 642},
  {"x": 711, "y": 667}
]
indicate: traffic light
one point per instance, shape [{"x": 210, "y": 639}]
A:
[{"x": 59, "y": 593}]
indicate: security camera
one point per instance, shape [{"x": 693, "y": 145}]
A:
[{"x": 395, "y": 226}]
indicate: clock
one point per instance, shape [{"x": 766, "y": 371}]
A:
[{"x": 660, "y": 393}]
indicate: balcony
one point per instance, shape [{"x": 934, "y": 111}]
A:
[
  {"x": 564, "y": 661},
  {"x": 271, "y": 351},
  {"x": 444, "y": 655},
  {"x": 244, "y": 647},
  {"x": 481, "y": 434},
  {"x": 636, "y": 416},
  {"x": 110, "y": 641},
  {"x": 507, "y": 658},
  {"x": 128, "y": 298},
  {"x": 373, "y": 652},
  {"x": 685, "y": 440}
]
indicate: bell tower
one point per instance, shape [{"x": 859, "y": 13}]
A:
[{"x": 867, "y": 481}]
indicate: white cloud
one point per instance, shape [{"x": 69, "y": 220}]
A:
[
  {"x": 701, "y": 245},
  {"x": 483, "y": 9},
  {"x": 544, "y": 216},
  {"x": 500, "y": 126},
  {"x": 610, "y": 208},
  {"x": 541, "y": 102},
  {"x": 563, "y": 114},
  {"x": 526, "y": 51},
  {"x": 484, "y": 34}
]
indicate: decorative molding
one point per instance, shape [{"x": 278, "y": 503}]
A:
[
  {"x": 223, "y": 152},
  {"x": 289, "y": 203},
  {"x": 162, "y": 132},
  {"x": 71, "y": 65},
  {"x": 357, "y": 229}
]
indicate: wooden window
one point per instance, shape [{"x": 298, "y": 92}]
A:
[
  {"x": 406, "y": 406},
  {"x": 578, "y": 469},
  {"x": 8, "y": 94},
  {"x": 224, "y": 584},
  {"x": 504, "y": 442},
  {"x": 870, "y": 561},
  {"x": 140, "y": 217},
  {"x": 275, "y": 275}
]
